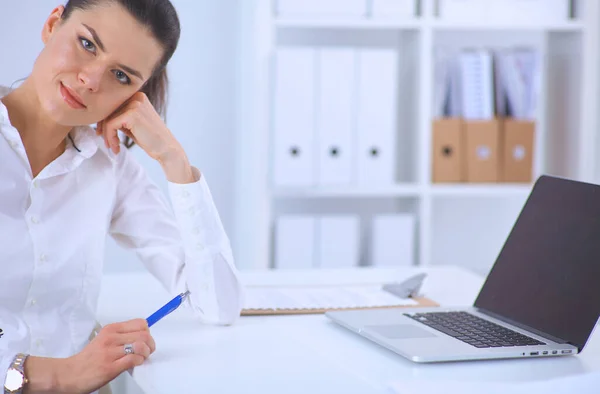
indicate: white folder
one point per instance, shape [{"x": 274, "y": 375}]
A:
[
  {"x": 377, "y": 109},
  {"x": 402, "y": 9},
  {"x": 295, "y": 242},
  {"x": 393, "y": 240},
  {"x": 477, "y": 80},
  {"x": 294, "y": 116},
  {"x": 325, "y": 8},
  {"x": 336, "y": 106},
  {"x": 338, "y": 241}
]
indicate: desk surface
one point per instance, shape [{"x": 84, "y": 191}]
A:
[{"x": 304, "y": 353}]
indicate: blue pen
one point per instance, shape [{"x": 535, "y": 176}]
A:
[{"x": 168, "y": 308}]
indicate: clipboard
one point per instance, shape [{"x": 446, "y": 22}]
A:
[
  {"x": 409, "y": 288},
  {"x": 421, "y": 302}
]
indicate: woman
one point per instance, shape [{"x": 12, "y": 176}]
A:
[{"x": 64, "y": 187}]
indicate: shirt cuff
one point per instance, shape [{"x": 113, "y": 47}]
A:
[{"x": 204, "y": 241}]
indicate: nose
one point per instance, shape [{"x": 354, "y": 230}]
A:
[{"x": 90, "y": 77}]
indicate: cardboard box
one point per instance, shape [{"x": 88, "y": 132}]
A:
[
  {"x": 517, "y": 150},
  {"x": 448, "y": 150},
  {"x": 482, "y": 141}
]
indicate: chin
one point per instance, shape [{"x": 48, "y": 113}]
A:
[{"x": 62, "y": 115}]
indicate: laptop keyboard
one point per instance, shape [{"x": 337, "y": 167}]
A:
[{"x": 473, "y": 330}]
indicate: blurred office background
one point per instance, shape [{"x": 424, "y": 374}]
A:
[{"x": 369, "y": 132}]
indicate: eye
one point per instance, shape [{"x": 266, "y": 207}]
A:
[
  {"x": 87, "y": 45},
  {"x": 122, "y": 77}
]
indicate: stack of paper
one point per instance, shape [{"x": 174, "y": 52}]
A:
[
  {"x": 321, "y": 297},
  {"x": 481, "y": 84},
  {"x": 519, "y": 76},
  {"x": 477, "y": 82},
  {"x": 442, "y": 90}
]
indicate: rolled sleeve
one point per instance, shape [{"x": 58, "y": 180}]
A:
[
  {"x": 212, "y": 277},
  {"x": 197, "y": 216},
  {"x": 183, "y": 244}
]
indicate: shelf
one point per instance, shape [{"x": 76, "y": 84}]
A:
[
  {"x": 349, "y": 192},
  {"x": 409, "y": 190},
  {"x": 482, "y": 190},
  {"x": 452, "y": 218},
  {"x": 568, "y": 26},
  {"x": 348, "y": 24},
  {"x": 416, "y": 24}
]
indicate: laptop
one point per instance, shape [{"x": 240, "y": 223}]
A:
[{"x": 540, "y": 299}]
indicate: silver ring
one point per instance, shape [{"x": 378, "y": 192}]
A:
[{"x": 128, "y": 348}]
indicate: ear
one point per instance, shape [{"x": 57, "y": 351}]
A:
[{"x": 52, "y": 23}]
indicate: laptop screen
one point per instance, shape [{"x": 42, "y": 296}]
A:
[{"x": 547, "y": 275}]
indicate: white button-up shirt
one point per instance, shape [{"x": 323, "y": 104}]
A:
[{"x": 53, "y": 230}]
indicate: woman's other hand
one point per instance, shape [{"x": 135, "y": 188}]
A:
[
  {"x": 104, "y": 358},
  {"x": 138, "y": 119}
]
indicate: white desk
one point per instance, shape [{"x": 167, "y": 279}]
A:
[{"x": 303, "y": 354}]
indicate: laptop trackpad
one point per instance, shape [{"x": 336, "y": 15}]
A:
[{"x": 400, "y": 331}]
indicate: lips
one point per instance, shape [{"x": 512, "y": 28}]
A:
[{"x": 71, "y": 98}]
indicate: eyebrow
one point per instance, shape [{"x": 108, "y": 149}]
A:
[{"x": 103, "y": 49}]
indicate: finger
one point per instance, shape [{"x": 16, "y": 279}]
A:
[
  {"x": 103, "y": 131},
  {"x": 129, "y": 326},
  {"x": 131, "y": 136},
  {"x": 112, "y": 130},
  {"x": 140, "y": 336},
  {"x": 128, "y": 134},
  {"x": 110, "y": 133},
  {"x": 129, "y": 361},
  {"x": 134, "y": 102},
  {"x": 151, "y": 344},
  {"x": 140, "y": 348},
  {"x": 104, "y": 135}
]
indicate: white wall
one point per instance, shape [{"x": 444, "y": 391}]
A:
[{"x": 202, "y": 111}]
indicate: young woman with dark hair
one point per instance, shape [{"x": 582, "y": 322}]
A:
[{"x": 65, "y": 186}]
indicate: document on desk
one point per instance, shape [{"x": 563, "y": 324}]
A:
[
  {"x": 587, "y": 383},
  {"x": 321, "y": 297}
]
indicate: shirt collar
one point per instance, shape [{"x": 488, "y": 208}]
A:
[{"x": 82, "y": 139}]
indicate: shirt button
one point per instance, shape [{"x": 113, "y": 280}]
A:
[
  {"x": 36, "y": 184},
  {"x": 43, "y": 258},
  {"x": 35, "y": 220},
  {"x": 199, "y": 246},
  {"x": 185, "y": 194},
  {"x": 192, "y": 211},
  {"x": 32, "y": 302},
  {"x": 196, "y": 231},
  {"x": 14, "y": 144},
  {"x": 39, "y": 342}
]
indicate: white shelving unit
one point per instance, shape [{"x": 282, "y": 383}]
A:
[{"x": 464, "y": 224}]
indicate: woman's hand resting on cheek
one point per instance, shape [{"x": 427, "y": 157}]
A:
[{"x": 139, "y": 120}]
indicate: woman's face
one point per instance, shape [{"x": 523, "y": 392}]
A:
[{"x": 101, "y": 56}]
